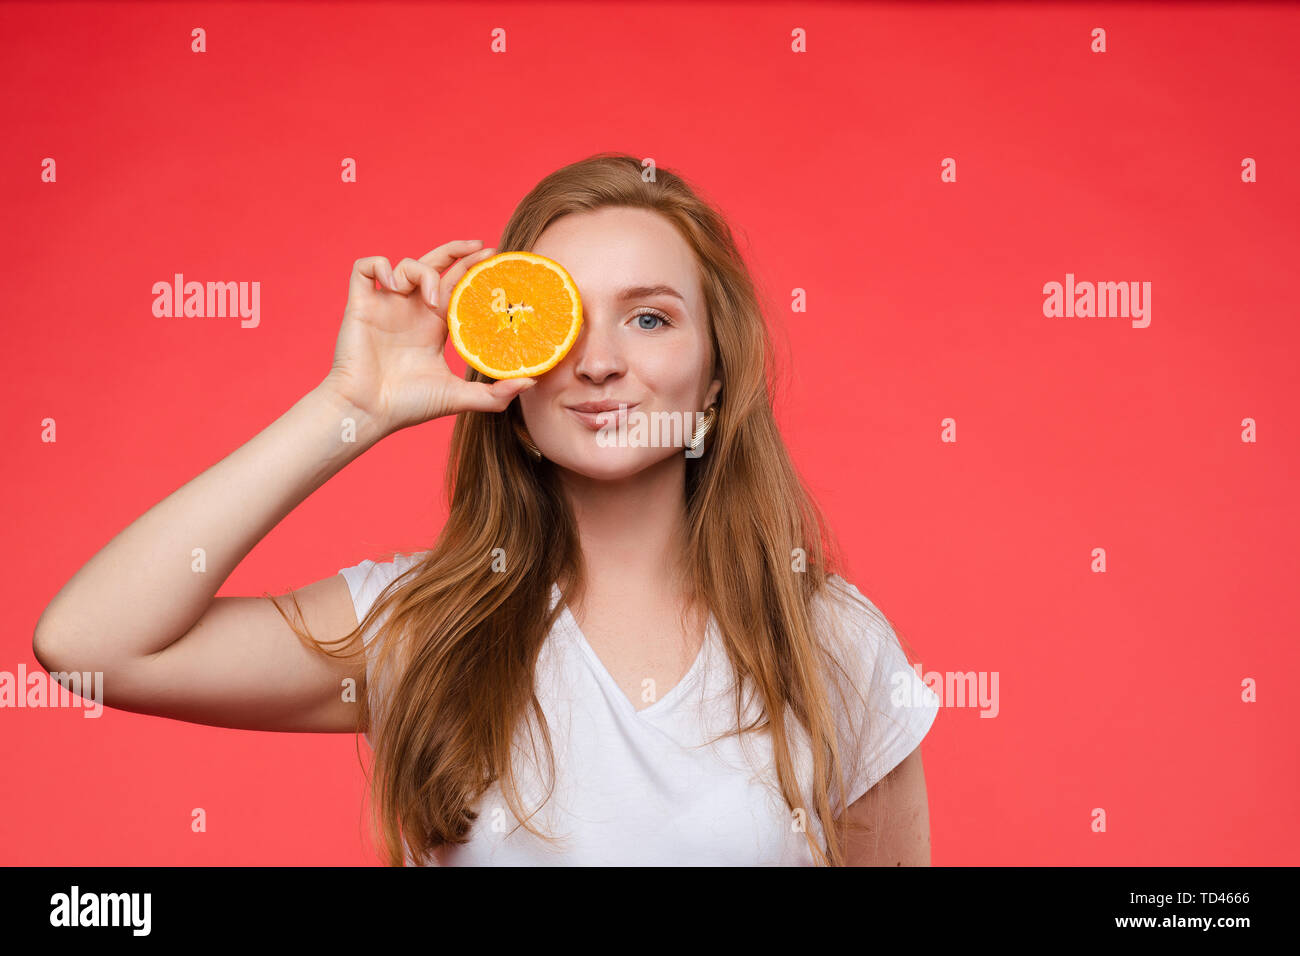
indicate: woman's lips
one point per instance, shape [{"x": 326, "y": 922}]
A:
[{"x": 598, "y": 420}]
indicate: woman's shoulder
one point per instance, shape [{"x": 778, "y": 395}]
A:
[
  {"x": 885, "y": 708},
  {"x": 863, "y": 642},
  {"x": 368, "y": 578},
  {"x": 395, "y": 564},
  {"x": 847, "y": 618}
]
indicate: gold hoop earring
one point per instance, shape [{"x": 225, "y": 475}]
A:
[{"x": 697, "y": 440}]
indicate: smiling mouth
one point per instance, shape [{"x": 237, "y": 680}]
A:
[{"x": 598, "y": 420}]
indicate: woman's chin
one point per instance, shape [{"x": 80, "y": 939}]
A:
[{"x": 613, "y": 464}]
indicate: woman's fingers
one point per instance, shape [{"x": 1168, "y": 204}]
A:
[
  {"x": 412, "y": 273},
  {"x": 489, "y": 397},
  {"x": 449, "y": 252},
  {"x": 456, "y": 272},
  {"x": 364, "y": 273},
  {"x": 423, "y": 272}
]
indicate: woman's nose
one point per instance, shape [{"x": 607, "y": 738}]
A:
[{"x": 598, "y": 352}]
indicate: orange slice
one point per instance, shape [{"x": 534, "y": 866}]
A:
[{"x": 514, "y": 314}]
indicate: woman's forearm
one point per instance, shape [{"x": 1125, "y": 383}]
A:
[{"x": 151, "y": 583}]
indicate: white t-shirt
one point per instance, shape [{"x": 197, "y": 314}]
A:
[{"x": 644, "y": 787}]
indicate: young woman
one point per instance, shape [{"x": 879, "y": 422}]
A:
[{"x": 611, "y": 654}]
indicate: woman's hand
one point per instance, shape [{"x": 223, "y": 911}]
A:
[{"x": 388, "y": 361}]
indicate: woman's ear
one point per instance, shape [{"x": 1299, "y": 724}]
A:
[{"x": 714, "y": 387}]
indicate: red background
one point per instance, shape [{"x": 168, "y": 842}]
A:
[{"x": 1119, "y": 690}]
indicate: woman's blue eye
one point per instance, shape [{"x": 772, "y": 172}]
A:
[{"x": 652, "y": 315}]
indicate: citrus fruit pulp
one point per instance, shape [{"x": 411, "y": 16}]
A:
[{"x": 514, "y": 314}]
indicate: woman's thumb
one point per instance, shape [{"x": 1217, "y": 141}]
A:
[{"x": 482, "y": 397}]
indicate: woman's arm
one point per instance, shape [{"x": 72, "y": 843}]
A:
[
  {"x": 140, "y": 593},
  {"x": 141, "y": 613},
  {"x": 897, "y": 812}
]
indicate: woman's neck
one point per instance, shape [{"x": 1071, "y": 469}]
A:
[{"x": 632, "y": 531}]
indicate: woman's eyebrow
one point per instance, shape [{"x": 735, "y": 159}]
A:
[{"x": 647, "y": 291}]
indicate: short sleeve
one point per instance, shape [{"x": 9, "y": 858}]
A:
[
  {"x": 886, "y": 709},
  {"x": 366, "y": 581}
]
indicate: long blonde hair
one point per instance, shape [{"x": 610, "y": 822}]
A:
[{"x": 469, "y": 636}]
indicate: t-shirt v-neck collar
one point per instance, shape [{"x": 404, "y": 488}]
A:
[{"x": 569, "y": 624}]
